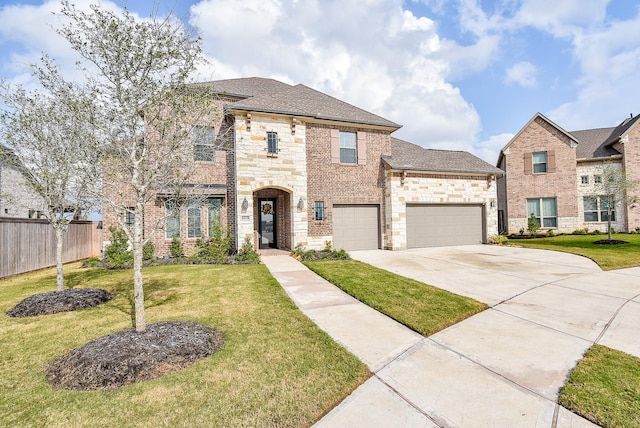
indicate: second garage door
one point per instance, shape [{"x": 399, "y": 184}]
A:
[
  {"x": 447, "y": 224},
  {"x": 356, "y": 227}
]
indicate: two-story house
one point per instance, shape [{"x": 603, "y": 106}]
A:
[
  {"x": 17, "y": 197},
  {"x": 287, "y": 165},
  {"x": 557, "y": 175}
]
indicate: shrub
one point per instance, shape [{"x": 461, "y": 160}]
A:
[
  {"x": 327, "y": 253},
  {"x": 584, "y": 231},
  {"x": 521, "y": 231},
  {"x": 498, "y": 240},
  {"x": 117, "y": 253},
  {"x": 215, "y": 249},
  {"x": 148, "y": 250},
  {"x": 175, "y": 248},
  {"x": 533, "y": 225},
  {"x": 247, "y": 254},
  {"x": 550, "y": 233}
]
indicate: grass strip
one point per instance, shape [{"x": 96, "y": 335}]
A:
[
  {"x": 605, "y": 388},
  {"x": 276, "y": 367},
  {"x": 608, "y": 257},
  {"x": 421, "y": 307}
]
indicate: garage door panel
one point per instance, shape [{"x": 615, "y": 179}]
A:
[
  {"x": 355, "y": 227},
  {"x": 445, "y": 224}
]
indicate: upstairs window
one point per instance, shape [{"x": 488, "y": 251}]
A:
[
  {"x": 348, "y": 147},
  {"x": 318, "y": 207},
  {"x": 584, "y": 179},
  {"x": 272, "y": 143},
  {"x": 539, "y": 162},
  {"x": 597, "y": 179},
  {"x": 204, "y": 143}
]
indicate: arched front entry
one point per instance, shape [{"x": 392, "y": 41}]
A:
[{"x": 272, "y": 218}]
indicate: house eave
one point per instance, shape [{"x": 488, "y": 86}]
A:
[{"x": 600, "y": 159}]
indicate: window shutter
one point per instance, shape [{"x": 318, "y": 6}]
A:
[
  {"x": 361, "y": 139},
  {"x": 335, "y": 146},
  {"x": 528, "y": 163},
  {"x": 551, "y": 161}
]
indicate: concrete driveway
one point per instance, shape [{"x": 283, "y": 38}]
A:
[{"x": 547, "y": 309}]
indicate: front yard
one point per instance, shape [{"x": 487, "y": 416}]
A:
[
  {"x": 276, "y": 367},
  {"x": 608, "y": 257}
]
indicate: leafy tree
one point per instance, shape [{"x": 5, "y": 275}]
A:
[
  {"x": 616, "y": 188},
  {"x": 137, "y": 72},
  {"x": 47, "y": 136}
]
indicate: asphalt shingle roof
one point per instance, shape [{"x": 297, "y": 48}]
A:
[
  {"x": 596, "y": 143},
  {"x": 272, "y": 96},
  {"x": 409, "y": 156}
]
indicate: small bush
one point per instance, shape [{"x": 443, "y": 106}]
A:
[
  {"x": 327, "y": 253},
  {"x": 175, "y": 248},
  {"x": 584, "y": 231},
  {"x": 117, "y": 254},
  {"x": 550, "y": 233},
  {"x": 215, "y": 249},
  {"x": 533, "y": 225},
  {"x": 247, "y": 254},
  {"x": 521, "y": 231},
  {"x": 148, "y": 250},
  {"x": 498, "y": 240},
  {"x": 597, "y": 232}
]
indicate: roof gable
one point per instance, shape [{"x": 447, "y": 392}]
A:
[
  {"x": 245, "y": 87},
  {"x": 409, "y": 156}
]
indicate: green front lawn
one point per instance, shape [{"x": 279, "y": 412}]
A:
[
  {"x": 276, "y": 367},
  {"x": 605, "y": 388},
  {"x": 606, "y": 256},
  {"x": 421, "y": 307}
]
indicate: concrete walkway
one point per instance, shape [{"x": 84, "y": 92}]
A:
[{"x": 500, "y": 368}]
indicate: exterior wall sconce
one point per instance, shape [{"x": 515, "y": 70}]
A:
[
  {"x": 245, "y": 204},
  {"x": 300, "y": 204},
  {"x": 492, "y": 204}
]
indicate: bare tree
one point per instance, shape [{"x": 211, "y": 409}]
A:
[
  {"x": 138, "y": 72},
  {"x": 617, "y": 189},
  {"x": 46, "y": 133}
]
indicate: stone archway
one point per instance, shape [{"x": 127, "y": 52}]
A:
[{"x": 272, "y": 218}]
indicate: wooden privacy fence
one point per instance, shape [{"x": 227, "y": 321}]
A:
[{"x": 29, "y": 244}]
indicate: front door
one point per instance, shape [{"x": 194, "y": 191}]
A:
[{"x": 267, "y": 223}]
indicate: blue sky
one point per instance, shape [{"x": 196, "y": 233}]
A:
[{"x": 457, "y": 74}]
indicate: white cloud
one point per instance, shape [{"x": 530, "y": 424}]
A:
[
  {"x": 562, "y": 18},
  {"x": 522, "y": 73},
  {"x": 489, "y": 149}
]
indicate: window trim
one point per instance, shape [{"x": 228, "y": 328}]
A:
[
  {"x": 172, "y": 214},
  {"x": 344, "y": 160},
  {"x": 542, "y": 218},
  {"x": 194, "y": 219},
  {"x": 318, "y": 209},
  {"x": 584, "y": 179},
  {"x": 600, "y": 211},
  {"x": 534, "y": 164},
  {"x": 272, "y": 143},
  {"x": 204, "y": 149}
]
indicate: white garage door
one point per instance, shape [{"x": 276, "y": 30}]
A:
[
  {"x": 356, "y": 227},
  {"x": 447, "y": 224}
]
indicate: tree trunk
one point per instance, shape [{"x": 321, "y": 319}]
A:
[
  {"x": 138, "y": 289},
  {"x": 59, "y": 273}
]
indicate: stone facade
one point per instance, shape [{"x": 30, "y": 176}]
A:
[
  {"x": 435, "y": 189},
  {"x": 590, "y": 170}
]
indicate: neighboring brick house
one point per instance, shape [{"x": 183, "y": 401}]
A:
[
  {"x": 555, "y": 174},
  {"x": 17, "y": 198},
  {"x": 290, "y": 166}
]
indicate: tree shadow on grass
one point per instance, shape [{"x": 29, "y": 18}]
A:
[{"x": 157, "y": 292}]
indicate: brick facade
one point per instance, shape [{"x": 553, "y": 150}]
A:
[{"x": 565, "y": 182}]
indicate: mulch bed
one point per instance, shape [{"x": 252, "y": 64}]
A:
[
  {"x": 610, "y": 242},
  {"x": 70, "y": 299},
  {"x": 129, "y": 356}
]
